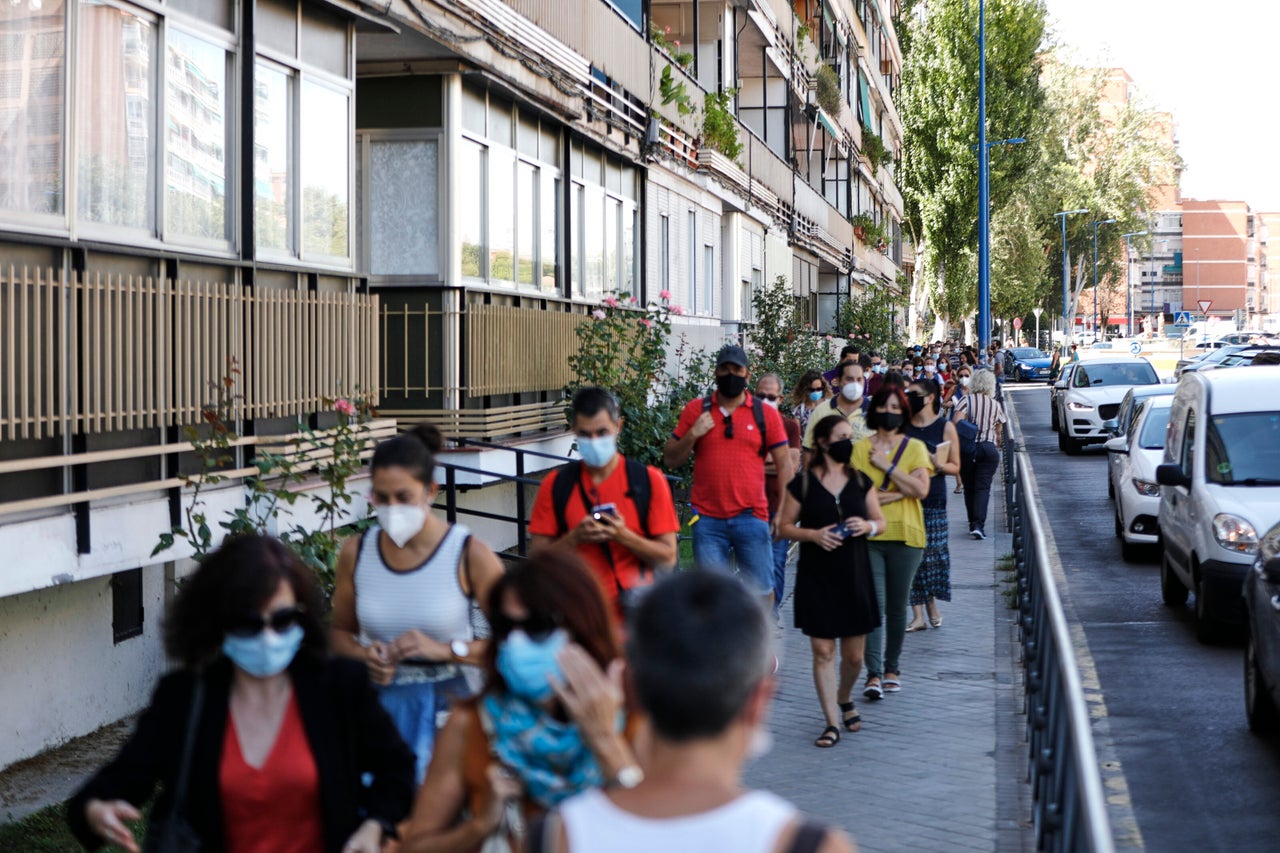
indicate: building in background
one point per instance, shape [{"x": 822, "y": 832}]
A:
[
  {"x": 422, "y": 199},
  {"x": 1220, "y": 259}
]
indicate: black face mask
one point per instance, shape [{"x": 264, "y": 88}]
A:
[
  {"x": 891, "y": 421},
  {"x": 917, "y": 403},
  {"x": 730, "y": 385},
  {"x": 841, "y": 451}
]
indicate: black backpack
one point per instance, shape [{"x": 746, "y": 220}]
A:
[
  {"x": 757, "y": 411},
  {"x": 569, "y": 475}
]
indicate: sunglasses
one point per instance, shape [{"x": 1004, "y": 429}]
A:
[
  {"x": 728, "y": 426},
  {"x": 537, "y": 626},
  {"x": 770, "y": 397},
  {"x": 817, "y": 388},
  {"x": 252, "y": 624}
]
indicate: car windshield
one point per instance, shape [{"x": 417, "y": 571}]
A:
[
  {"x": 1028, "y": 352},
  {"x": 1095, "y": 375},
  {"x": 1243, "y": 449},
  {"x": 1152, "y": 435},
  {"x": 1221, "y": 354}
]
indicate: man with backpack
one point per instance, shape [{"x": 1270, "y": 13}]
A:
[
  {"x": 729, "y": 434},
  {"x": 617, "y": 513}
]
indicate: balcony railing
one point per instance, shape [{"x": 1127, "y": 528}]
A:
[{"x": 97, "y": 353}]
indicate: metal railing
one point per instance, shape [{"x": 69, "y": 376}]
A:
[{"x": 1069, "y": 807}]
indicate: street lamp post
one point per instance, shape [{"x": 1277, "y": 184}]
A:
[
  {"x": 1063, "y": 214},
  {"x": 984, "y": 194},
  {"x": 1096, "y": 315},
  {"x": 1128, "y": 285}
]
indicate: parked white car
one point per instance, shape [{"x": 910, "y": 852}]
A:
[
  {"x": 1219, "y": 488},
  {"x": 1093, "y": 394},
  {"x": 1132, "y": 459}
]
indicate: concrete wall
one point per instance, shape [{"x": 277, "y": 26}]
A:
[{"x": 63, "y": 677}]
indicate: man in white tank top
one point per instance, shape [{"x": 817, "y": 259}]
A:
[{"x": 700, "y": 659}]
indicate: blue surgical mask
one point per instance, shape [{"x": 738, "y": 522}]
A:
[
  {"x": 266, "y": 653},
  {"x": 815, "y": 396},
  {"x": 528, "y": 665},
  {"x": 599, "y": 451}
]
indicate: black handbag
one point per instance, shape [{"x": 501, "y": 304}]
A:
[{"x": 172, "y": 833}]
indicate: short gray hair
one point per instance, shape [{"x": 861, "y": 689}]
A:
[{"x": 983, "y": 382}]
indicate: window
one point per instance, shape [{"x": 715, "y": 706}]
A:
[
  {"x": 273, "y": 200},
  {"x": 1186, "y": 458},
  {"x": 664, "y": 252},
  {"x": 502, "y": 214},
  {"x": 527, "y": 210},
  {"x": 32, "y": 122},
  {"x": 709, "y": 279},
  {"x": 403, "y": 209},
  {"x": 115, "y": 137},
  {"x": 195, "y": 139},
  {"x": 471, "y": 208},
  {"x": 324, "y": 170},
  {"x": 126, "y": 605},
  {"x": 692, "y": 262}
]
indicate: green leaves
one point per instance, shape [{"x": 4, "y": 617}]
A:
[{"x": 781, "y": 342}]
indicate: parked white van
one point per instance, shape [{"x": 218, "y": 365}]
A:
[{"x": 1220, "y": 488}]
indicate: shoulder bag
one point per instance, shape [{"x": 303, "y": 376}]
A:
[{"x": 172, "y": 833}]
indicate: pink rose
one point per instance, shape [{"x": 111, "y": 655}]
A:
[
  {"x": 611, "y": 302},
  {"x": 664, "y": 295},
  {"x": 598, "y": 314},
  {"x": 344, "y": 407},
  {"x": 677, "y": 310},
  {"x": 648, "y": 324}
]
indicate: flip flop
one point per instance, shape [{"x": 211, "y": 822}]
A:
[{"x": 830, "y": 737}]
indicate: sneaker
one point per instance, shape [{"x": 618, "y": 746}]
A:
[{"x": 977, "y": 534}]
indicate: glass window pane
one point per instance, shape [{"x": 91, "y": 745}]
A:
[
  {"x": 31, "y": 107},
  {"x": 548, "y": 228},
  {"x": 402, "y": 207},
  {"x": 709, "y": 279},
  {"x": 611, "y": 237},
  {"x": 276, "y": 25},
  {"x": 115, "y": 147},
  {"x": 550, "y": 146},
  {"x": 324, "y": 39},
  {"x": 578, "y": 240},
  {"x": 593, "y": 220},
  {"x": 195, "y": 139},
  {"x": 502, "y": 215},
  {"x": 216, "y": 12},
  {"x": 471, "y": 207},
  {"x": 527, "y": 135},
  {"x": 473, "y": 110},
  {"x": 325, "y": 167},
  {"x": 629, "y": 253},
  {"x": 500, "y": 121},
  {"x": 526, "y": 215},
  {"x": 273, "y": 200}
]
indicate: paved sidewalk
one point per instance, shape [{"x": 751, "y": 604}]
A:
[{"x": 936, "y": 766}]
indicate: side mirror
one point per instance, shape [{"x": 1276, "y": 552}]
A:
[
  {"x": 1111, "y": 425},
  {"x": 1117, "y": 445},
  {"x": 1171, "y": 475}
]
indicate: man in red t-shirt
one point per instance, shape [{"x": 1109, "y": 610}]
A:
[
  {"x": 599, "y": 514},
  {"x": 729, "y": 435}
]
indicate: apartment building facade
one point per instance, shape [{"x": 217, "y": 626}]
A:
[{"x": 418, "y": 199}]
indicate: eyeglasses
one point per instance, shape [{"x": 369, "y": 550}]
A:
[
  {"x": 538, "y": 626},
  {"x": 252, "y": 624},
  {"x": 769, "y": 397},
  {"x": 728, "y": 426}
]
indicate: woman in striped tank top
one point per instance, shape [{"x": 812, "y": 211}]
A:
[{"x": 404, "y": 601}]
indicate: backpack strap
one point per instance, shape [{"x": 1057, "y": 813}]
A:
[
  {"x": 640, "y": 491},
  {"x": 561, "y": 487},
  {"x": 808, "y": 837},
  {"x": 757, "y": 409}
]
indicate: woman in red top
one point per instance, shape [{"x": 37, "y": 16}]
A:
[{"x": 284, "y": 736}]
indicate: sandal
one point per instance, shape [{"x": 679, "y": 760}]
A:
[
  {"x": 936, "y": 621},
  {"x": 873, "y": 691},
  {"x": 891, "y": 682},
  {"x": 916, "y": 626},
  {"x": 853, "y": 723},
  {"x": 830, "y": 737}
]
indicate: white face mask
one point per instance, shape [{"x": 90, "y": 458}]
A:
[
  {"x": 773, "y": 403},
  {"x": 964, "y": 381},
  {"x": 851, "y": 390},
  {"x": 401, "y": 522}
]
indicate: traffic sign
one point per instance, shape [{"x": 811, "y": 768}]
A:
[
  {"x": 1205, "y": 305},
  {"x": 1136, "y": 347},
  {"x": 1017, "y": 322},
  {"x": 1183, "y": 319}
]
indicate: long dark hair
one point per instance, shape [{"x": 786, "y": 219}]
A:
[
  {"x": 415, "y": 451},
  {"x": 800, "y": 393},
  {"x": 822, "y": 432},
  {"x": 238, "y": 579},
  {"x": 930, "y": 386}
]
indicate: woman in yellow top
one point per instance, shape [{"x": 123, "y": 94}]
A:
[{"x": 900, "y": 468}]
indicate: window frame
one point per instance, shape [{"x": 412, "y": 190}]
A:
[{"x": 364, "y": 141}]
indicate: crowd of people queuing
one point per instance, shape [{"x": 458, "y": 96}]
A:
[{"x": 588, "y": 698}]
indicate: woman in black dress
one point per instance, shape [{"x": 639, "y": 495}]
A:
[{"x": 830, "y": 509}]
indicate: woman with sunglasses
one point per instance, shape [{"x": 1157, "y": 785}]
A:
[
  {"x": 291, "y": 750},
  {"x": 547, "y": 726},
  {"x": 406, "y": 592},
  {"x": 899, "y": 467},
  {"x": 808, "y": 394}
]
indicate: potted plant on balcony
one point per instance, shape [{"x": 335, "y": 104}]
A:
[
  {"x": 865, "y": 228},
  {"x": 719, "y": 127},
  {"x": 829, "y": 97}
]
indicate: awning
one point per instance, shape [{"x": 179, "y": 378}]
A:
[
  {"x": 826, "y": 123},
  {"x": 864, "y": 99}
]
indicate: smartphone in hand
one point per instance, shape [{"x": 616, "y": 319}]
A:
[{"x": 603, "y": 509}]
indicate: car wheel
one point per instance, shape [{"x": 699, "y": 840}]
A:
[
  {"x": 1111, "y": 487},
  {"x": 1172, "y": 592},
  {"x": 1068, "y": 444},
  {"x": 1259, "y": 708},
  {"x": 1053, "y": 418},
  {"x": 1207, "y": 628},
  {"x": 1130, "y": 552},
  {"x": 1119, "y": 526}
]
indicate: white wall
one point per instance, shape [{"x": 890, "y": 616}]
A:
[{"x": 62, "y": 676}]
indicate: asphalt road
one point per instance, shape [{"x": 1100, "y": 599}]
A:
[{"x": 1197, "y": 778}]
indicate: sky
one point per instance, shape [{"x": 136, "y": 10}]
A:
[{"x": 1213, "y": 65}]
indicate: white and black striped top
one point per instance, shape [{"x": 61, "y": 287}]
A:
[
  {"x": 428, "y": 598},
  {"x": 985, "y": 411}
]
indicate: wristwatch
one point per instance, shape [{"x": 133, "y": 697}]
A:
[
  {"x": 627, "y": 777},
  {"x": 459, "y": 649}
]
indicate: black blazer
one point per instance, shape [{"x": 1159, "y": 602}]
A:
[{"x": 349, "y": 733}]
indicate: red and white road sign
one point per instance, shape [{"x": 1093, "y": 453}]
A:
[
  {"x": 1017, "y": 322},
  {"x": 1205, "y": 305}
]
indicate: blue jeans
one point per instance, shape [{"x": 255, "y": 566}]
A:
[
  {"x": 744, "y": 538},
  {"x": 780, "y": 550},
  {"x": 417, "y": 710}
]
